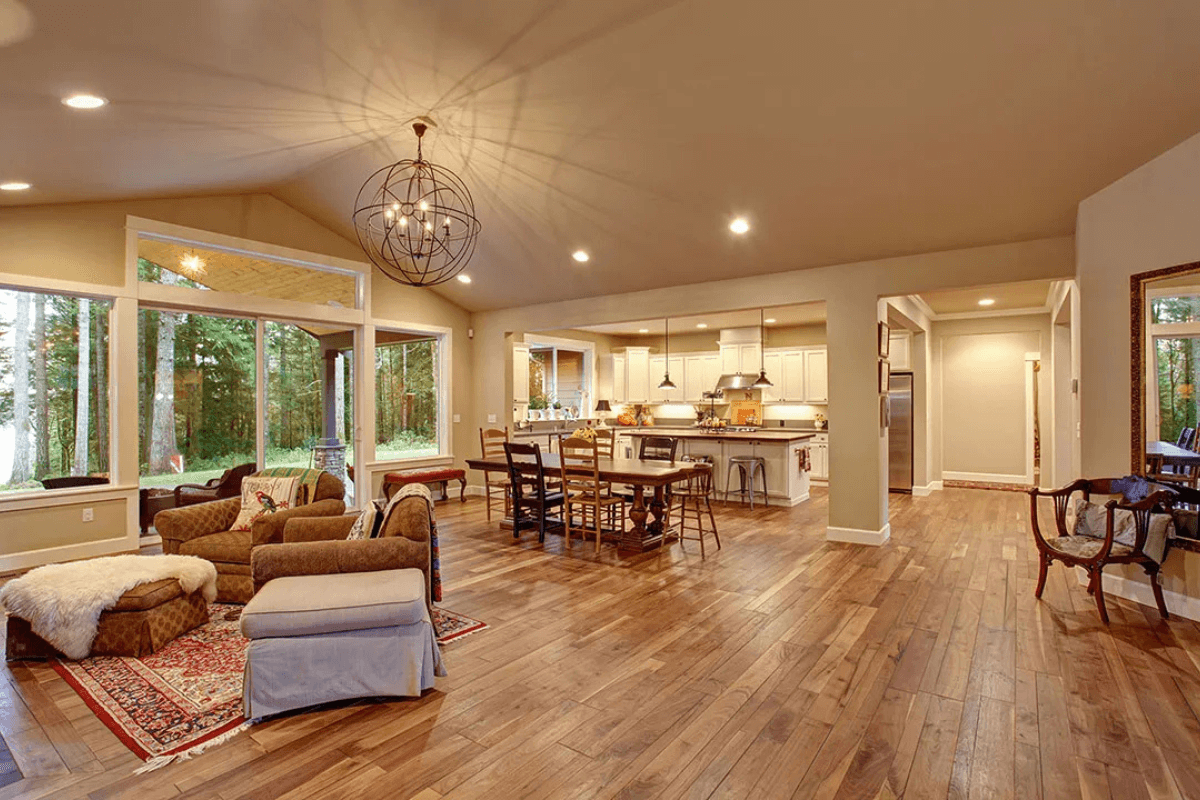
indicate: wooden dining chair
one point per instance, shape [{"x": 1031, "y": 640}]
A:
[
  {"x": 585, "y": 492},
  {"x": 1094, "y": 553},
  {"x": 605, "y": 442},
  {"x": 658, "y": 448},
  {"x": 530, "y": 491},
  {"x": 491, "y": 442}
]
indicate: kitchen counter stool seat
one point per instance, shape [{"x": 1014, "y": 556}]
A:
[{"x": 747, "y": 467}]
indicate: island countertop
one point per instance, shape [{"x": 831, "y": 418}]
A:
[{"x": 781, "y": 435}]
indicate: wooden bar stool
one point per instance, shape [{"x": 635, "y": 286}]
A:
[{"x": 695, "y": 510}]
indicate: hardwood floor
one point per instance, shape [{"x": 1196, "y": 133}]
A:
[{"x": 780, "y": 666}]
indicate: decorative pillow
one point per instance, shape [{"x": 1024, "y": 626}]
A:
[
  {"x": 264, "y": 495},
  {"x": 587, "y": 434},
  {"x": 368, "y": 523},
  {"x": 1091, "y": 520}
]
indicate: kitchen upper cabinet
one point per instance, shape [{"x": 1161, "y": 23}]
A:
[
  {"x": 620, "y": 394},
  {"x": 637, "y": 375},
  {"x": 741, "y": 358},
  {"x": 816, "y": 376},
  {"x": 658, "y": 367},
  {"x": 795, "y": 381},
  {"x": 773, "y": 364},
  {"x": 789, "y": 371},
  {"x": 520, "y": 370},
  {"x": 900, "y": 351}
]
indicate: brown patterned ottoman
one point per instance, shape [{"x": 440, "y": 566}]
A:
[{"x": 142, "y": 621}]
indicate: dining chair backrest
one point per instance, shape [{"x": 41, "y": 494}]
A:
[
  {"x": 657, "y": 448},
  {"x": 519, "y": 455},
  {"x": 604, "y": 443},
  {"x": 491, "y": 442},
  {"x": 1193, "y": 443},
  {"x": 580, "y": 466},
  {"x": 1184, "y": 435}
]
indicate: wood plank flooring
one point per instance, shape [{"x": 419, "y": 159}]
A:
[{"x": 781, "y": 666}]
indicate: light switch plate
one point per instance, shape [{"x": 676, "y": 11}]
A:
[
  {"x": 88, "y": 515},
  {"x": 457, "y": 418},
  {"x": 492, "y": 419}
]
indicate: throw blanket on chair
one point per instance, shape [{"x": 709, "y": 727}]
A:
[
  {"x": 62, "y": 602},
  {"x": 435, "y": 565},
  {"x": 307, "y": 485}
]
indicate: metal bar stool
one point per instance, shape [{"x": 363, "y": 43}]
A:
[{"x": 747, "y": 466}]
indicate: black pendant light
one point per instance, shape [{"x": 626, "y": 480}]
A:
[
  {"x": 667, "y": 383},
  {"x": 762, "y": 382}
]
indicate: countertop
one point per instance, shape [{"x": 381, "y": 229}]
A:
[{"x": 764, "y": 435}]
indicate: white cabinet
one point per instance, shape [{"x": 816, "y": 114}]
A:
[
  {"x": 900, "y": 351},
  {"x": 773, "y": 363},
  {"x": 700, "y": 375},
  {"x": 816, "y": 376},
  {"x": 659, "y": 366},
  {"x": 520, "y": 376},
  {"x": 620, "y": 393},
  {"x": 794, "y": 378},
  {"x": 740, "y": 358},
  {"x": 818, "y": 450},
  {"x": 637, "y": 375}
]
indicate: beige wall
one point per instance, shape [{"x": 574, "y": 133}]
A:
[
  {"x": 86, "y": 242},
  {"x": 982, "y": 369},
  {"x": 1145, "y": 221},
  {"x": 858, "y": 498}
]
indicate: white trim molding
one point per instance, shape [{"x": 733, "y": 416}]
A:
[
  {"x": 1181, "y": 605},
  {"x": 927, "y": 489},
  {"x": 858, "y": 536},
  {"x": 983, "y": 477},
  {"x": 27, "y": 559}
]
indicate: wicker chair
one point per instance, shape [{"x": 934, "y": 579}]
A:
[{"x": 1093, "y": 554}]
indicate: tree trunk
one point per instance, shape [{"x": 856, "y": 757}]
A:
[
  {"x": 100, "y": 370},
  {"x": 162, "y": 424},
  {"x": 41, "y": 399},
  {"x": 83, "y": 389},
  {"x": 21, "y": 471}
]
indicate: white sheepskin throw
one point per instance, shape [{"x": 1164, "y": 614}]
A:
[{"x": 62, "y": 602}]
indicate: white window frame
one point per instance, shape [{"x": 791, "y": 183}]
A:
[
  {"x": 589, "y": 364},
  {"x": 1154, "y": 332}
]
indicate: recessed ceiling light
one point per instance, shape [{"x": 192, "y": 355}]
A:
[
  {"x": 701, "y": 324},
  {"x": 987, "y": 301},
  {"x": 464, "y": 278},
  {"x": 192, "y": 265},
  {"x": 769, "y": 320},
  {"x": 14, "y": 186},
  {"x": 84, "y": 101},
  {"x": 739, "y": 226},
  {"x": 643, "y": 330},
  {"x": 580, "y": 255}
]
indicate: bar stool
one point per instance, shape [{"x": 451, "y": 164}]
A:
[
  {"x": 747, "y": 467},
  {"x": 693, "y": 504}
]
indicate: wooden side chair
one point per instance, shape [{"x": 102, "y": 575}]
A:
[
  {"x": 585, "y": 493},
  {"x": 695, "y": 508},
  {"x": 1141, "y": 506},
  {"x": 658, "y": 448},
  {"x": 605, "y": 442},
  {"x": 529, "y": 490},
  {"x": 491, "y": 443}
]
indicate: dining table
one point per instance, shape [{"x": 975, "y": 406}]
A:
[
  {"x": 1161, "y": 453},
  {"x": 647, "y": 529}
]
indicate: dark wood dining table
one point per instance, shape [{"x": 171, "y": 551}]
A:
[
  {"x": 640, "y": 535},
  {"x": 1159, "y": 453}
]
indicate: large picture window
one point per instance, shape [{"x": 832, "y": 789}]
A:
[
  {"x": 54, "y": 402},
  {"x": 407, "y": 381}
]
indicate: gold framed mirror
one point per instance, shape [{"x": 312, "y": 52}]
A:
[{"x": 1151, "y": 286}]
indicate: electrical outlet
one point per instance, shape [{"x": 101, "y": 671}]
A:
[
  {"x": 88, "y": 515},
  {"x": 457, "y": 418},
  {"x": 492, "y": 419}
]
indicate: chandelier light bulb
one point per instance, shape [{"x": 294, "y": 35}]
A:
[
  {"x": 403, "y": 222},
  {"x": 581, "y": 256},
  {"x": 423, "y": 206},
  {"x": 739, "y": 226}
]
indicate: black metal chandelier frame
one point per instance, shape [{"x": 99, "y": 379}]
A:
[{"x": 416, "y": 220}]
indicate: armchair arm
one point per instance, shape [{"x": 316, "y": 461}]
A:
[
  {"x": 317, "y": 529},
  {"x": 178, "y": 525},
  {"x": 331, "y": 558},
  {"x": 1062, "y": 498},
  {"x": 268, "y": 528},
  {"x": 1142, "y": 511}
]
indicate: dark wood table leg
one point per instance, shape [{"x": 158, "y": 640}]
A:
[{"x": 640, "y": 537}]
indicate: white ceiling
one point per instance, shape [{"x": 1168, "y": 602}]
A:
[
  {"x": 1007, "y": 297},
  {"x": 784, "y": 316},
  {"x": 634, "y": 129}
]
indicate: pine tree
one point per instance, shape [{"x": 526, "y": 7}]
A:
[
  {"x": 41, "y": 399},
  {"x": 162, "y": 421},
  {"x": 83, "y": 389},
  {"x": 21, "y": 471}
]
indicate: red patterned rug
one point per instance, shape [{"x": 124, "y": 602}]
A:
[{"x": 188, "y": 696}]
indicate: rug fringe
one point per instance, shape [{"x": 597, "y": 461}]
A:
[
  {"x": 460, "y": 636},
  {"x": 159, "y": 762}
]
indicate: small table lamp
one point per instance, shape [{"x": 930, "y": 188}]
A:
[{"x": 603, "y": 406}]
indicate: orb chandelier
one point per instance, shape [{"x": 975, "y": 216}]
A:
[{"x": 416, "y": 220}]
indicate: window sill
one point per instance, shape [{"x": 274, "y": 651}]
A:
[
  {"x": 415, "y": 461},
  {"x": 47, "y": 498}
]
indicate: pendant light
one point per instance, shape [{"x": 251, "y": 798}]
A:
[
  {"x": 667, "y": 383},
  {"x": 762, "y": 382}
]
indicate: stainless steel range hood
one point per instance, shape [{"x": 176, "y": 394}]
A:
[{"x": 736, "y": 380}]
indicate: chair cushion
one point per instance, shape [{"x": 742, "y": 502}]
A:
[
  {"x": 1086, "y": 546},
  {"x": 307, "y": 605},
  {"x": 424, "y": 475},
  {"x": 230, "y": 546},
  {"x": 1091, "y": 519}
]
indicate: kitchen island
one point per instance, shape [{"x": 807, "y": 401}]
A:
[{"x": 783, "y": 450}]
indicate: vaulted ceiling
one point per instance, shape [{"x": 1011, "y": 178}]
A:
[{"x": 634, "y": 129}]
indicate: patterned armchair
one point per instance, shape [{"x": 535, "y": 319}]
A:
[{"x": 204, "y": 530}]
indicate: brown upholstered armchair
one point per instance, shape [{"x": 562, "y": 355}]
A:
[
  {"x": 203, "y": 530},
  {"x": 318, "y": 546}
]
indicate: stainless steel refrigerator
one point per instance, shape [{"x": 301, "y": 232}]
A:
[{"x": 900, "y": 433}]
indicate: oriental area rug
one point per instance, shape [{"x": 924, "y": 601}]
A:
[{"x": 187, "y": 697}]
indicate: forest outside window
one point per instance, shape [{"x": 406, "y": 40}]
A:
[
  {"x": 408, "y": 395},
  {"x": 1174, "y": 365},
  {"x": 54, "y": 398}
]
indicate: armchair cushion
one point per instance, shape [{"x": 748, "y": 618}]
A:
[
  {"x": 178, "y": 525},
  {"x": 268, "y": 528},
  {"x": 230, "y": 547},
  {"x": 317, "y": 529},
  {"x": 337, "y": 557},
  {"x": 1086, "y": 546},
  {"x": 1091, "y": 521},
  {"x": 347, "y": 602}
]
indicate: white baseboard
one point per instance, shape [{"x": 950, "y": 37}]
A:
[
  {"x": 476, "y": 491},
  {"x": 858, "y": 536},
  {"x": 1178, "y": 604},
  {"x": 70, "y": 552},
  {"x": 927, "y": 489},
  {"x": 984, "y": 477}
]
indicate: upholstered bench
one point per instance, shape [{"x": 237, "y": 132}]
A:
[
  {"x": 143, "y": 620},
  {"x": 319, "y": 638},
  {"x": 439, "y": 475}
]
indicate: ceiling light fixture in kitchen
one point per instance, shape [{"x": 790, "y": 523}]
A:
[
  {"x": 416, "y": 220},
  {"x": 667, "y": 383},
  {"x": 14, "y": 186},
  {"x": 770, "y": 320},
  {"x": 581, "y": 256},
  {"x": 643, "y": 330},
  {"x": 739, "y": 226},
  {"x": 987, "y": 301},
  {"x": 84, "y": 102},
  {"x": 701, "y": 324},
  {"x": 762, "y": 382}
]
